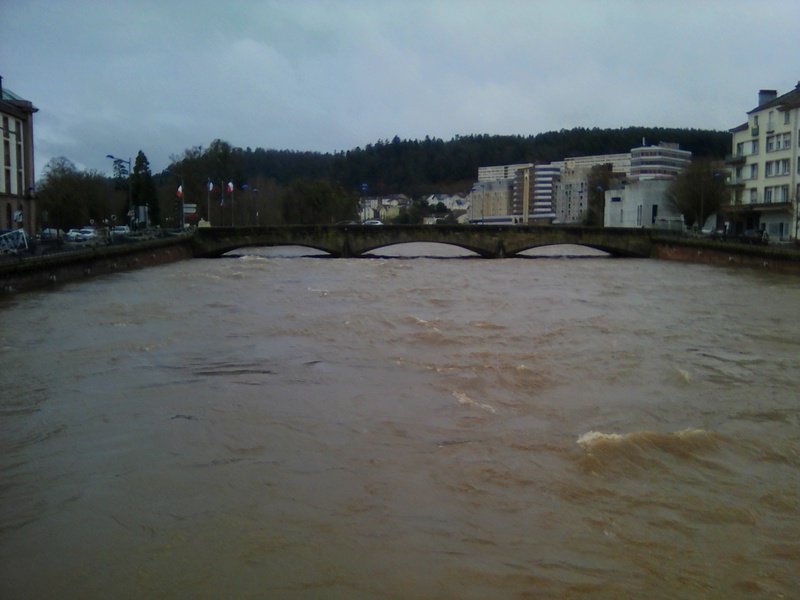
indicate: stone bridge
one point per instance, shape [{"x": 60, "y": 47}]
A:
[{"x": 488, "y": 241}]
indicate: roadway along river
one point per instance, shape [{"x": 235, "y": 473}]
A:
[{"x": 402, "y": 428}]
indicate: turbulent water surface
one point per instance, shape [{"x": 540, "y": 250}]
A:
[{"x": 272, "y": 427}]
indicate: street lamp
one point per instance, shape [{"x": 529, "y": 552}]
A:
[{"x": 130, "y": 184}]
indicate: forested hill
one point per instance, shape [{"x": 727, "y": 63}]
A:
[
  {"x": 416, "y": 167},
  {"x": 411, "y": 164}
]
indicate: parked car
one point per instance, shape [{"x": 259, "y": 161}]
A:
[
  {"x": 51, "y": 233},
  {"x": 121, "y": 230},
  {"x": 74, "y": 235},
  {"x": 754, "y": 236},
  {"x": 88, "y": 234},
  {"x": 373, "y": 222}
]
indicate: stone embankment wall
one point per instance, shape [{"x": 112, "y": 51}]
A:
[
  {"x": 784, "y": 259},
  {"x": 29, "y": 273}
]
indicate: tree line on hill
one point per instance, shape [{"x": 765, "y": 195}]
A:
[{"x": 235, "y": 186}]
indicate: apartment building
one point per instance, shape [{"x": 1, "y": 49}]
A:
[
  {"x": 558, "y": 191},
  {"x": 765, "y": 165},
  {"x": 498, "y": 172},
  {"x": 491, "y": 198},
  {"x": 664, "y": 161},
  {"x": 521, "y": 192},
  {"x": 570, "y": 189},
  {"x": 17, "y": 198}
]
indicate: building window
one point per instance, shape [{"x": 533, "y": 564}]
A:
[
  {"x": 754, "y": 196},
  {"x": 771, "y": 143},
  {"x": 786, "y": 118},
  {"x": 778, "y": 193},
  {"x": 753, "y": 171},
  {"x": 776, "y": 168},
  {"x": 787, "y": 140}
]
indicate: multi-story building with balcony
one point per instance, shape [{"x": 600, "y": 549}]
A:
[
  {"x": 664, "y": 161},
  {"x": 17, "y": 197},
  {"x": 765, "y": 167}
]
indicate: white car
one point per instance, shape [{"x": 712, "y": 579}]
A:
[
  {"x": 88, "y": 233},
  {"x": 73, "y": 235},
  {"x": 121, "y": 230},
  {"x": 373, "y": 222}
]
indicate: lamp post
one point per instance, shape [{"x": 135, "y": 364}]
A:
[
  {"x": 130, "y": 183},
  {"x": 254, "y": 198}
]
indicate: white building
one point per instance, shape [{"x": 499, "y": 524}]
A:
[
  {"x": 17, "y": 194},
  {"x": 544, "y": 176},
  {"x": 665, "y": 161},
  {"x": 641, "y": 203},
  {"x": 766, "y": 167}
]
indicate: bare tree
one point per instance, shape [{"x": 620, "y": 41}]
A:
[{"x": 699, "y": 191}]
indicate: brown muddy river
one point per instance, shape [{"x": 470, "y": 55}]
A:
[{"x": 270, "y": 427}]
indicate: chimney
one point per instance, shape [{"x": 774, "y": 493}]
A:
[{"x": 766, "y": 95}]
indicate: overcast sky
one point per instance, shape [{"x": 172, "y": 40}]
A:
[{"x": 112, "y": 77}]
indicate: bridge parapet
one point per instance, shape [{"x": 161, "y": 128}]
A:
[{"x": 488, "y": 241}]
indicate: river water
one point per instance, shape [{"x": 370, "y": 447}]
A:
[{"x": 286, "y": 427}]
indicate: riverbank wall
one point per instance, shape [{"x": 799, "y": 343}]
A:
[
  {"x": 19, "y": 274},
  {"x": 779, "y": 258}
]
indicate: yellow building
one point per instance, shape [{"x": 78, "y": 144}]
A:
[{"x": 765, "y": 167}]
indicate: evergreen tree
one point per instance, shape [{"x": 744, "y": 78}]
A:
[{"x": 143, "y": 192}]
